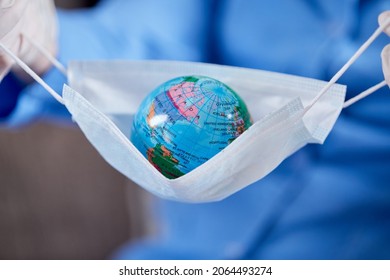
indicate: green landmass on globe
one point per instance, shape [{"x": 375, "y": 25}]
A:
[
  {"x": 162, "y": 159},
  {"x": 186, "y": 121}
]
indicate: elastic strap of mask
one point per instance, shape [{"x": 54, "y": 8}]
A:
[
  {"x": 352, "y": 60},
  {"x": 29, "y": 71},
  {"x": 47, "y": 55},
  {"x": 364, "y": 94}
]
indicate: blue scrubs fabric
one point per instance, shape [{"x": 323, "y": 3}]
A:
[{"x": 324, "y": 202}]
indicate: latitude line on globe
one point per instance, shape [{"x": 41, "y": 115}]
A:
[
  {"x": 207, "y": 114},
  {"x": 217, "y": 118},
  {"x": 169, "y": 100},
  {"x": 195, "y": 142}
]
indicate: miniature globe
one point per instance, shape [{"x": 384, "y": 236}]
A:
[{"x": 186, "y": 121}]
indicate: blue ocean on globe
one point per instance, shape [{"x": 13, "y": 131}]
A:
[{"x": 186, "y": 121}]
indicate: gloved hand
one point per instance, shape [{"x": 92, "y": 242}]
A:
[
  {"x": 23, "y": 19},
  {"x": 384, "y": 19},
  {"x": 386, "y": 63}
]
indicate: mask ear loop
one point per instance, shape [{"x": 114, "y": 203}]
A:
[
  {"x": 47, "y": 55},
  {"x": 352, "y": 60},
  {"x": 364, "y": 94},
  {"x": 29, "y": 71}
]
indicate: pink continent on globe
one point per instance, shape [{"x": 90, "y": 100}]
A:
[{"x": 180, "y": 94}]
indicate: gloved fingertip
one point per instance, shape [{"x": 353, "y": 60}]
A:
[
  {"x": 5, "y": 67},
  {"x": 386, "y": 63},
  {"x": 386, "y": 50},
  {"x": 384, "y": 21}
]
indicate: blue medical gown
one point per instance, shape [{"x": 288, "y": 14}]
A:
[{"x": 324, "y": 202}]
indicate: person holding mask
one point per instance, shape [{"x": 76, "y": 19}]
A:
[{"x": 323, "y": 202}]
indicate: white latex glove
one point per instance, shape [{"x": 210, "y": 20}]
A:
[
  {"x": 384, "y": 19},
  {"x": 35, "y": 19},
  {"x": 386, "y": 63}
]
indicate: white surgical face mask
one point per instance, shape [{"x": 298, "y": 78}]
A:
[
  {"x": 104, "y": 96},
  {"x": 288, "y": 113}
]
